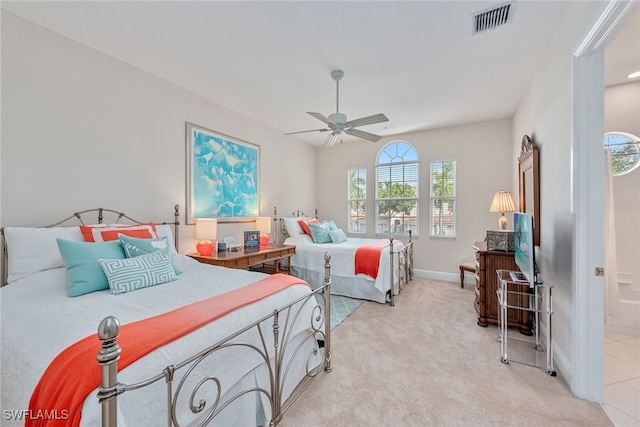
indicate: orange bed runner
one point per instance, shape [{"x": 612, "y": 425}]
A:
[
  {"x": 368, "y": 258},
  {"x": 75, "y": 372}
]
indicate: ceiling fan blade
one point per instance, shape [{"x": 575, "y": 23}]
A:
[
  {"x": 362, "y": 134},
  {"x": 311, "y": 130},
  {"x": 369, "y": 120},
  {"x": 322, "y": 118}
]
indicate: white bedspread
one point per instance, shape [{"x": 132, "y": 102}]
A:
[
  {"x": 39, "y": 320},
  {"x": 309, "y": 256}
]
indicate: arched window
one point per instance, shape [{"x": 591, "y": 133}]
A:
[
  {"x": 397, "y": 189},
  {"x": 625, "y": 151}
]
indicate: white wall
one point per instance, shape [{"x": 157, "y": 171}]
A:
[
  {"x": 83, "y": 130},
  {"x": 546, "y": 114},
  {"x": 622, "y": 114},
  {"x": 484, "y": 162}
]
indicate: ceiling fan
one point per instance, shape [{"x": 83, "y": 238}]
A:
[{"x": 337, "y": 122}]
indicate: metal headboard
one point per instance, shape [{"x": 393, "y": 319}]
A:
[
  {"x": 282, "y": 230},
  {"x": 79, "y": 216}
]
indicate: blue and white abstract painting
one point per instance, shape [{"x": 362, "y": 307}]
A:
[{"x": 224, "y": 175}]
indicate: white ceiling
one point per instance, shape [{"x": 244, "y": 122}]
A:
[{"x": 417, "y": 62}]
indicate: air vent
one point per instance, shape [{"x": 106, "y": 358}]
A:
[{"x": 491, "y": 19}]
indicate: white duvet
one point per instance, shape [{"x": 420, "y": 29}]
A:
[
  {"x": 309, "y": 256},
  {"x": 39, "y": 320}
]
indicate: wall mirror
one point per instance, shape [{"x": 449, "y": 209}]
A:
[{"x": 529, "y": 191}]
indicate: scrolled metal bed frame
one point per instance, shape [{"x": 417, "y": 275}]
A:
[
  {"x": 403, "y": 268},
  {"x": 274, "y": 330},
  {"x": 272, "y": 356}
]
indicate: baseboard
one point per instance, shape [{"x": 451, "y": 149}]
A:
[{"x": 439, "y": 275}]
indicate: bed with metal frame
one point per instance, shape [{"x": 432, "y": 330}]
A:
[
  {"x": 294, "y": 346},
  {"x": 400, "y": 268}
]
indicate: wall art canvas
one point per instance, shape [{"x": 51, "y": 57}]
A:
[{"x": 222, "y": 176}]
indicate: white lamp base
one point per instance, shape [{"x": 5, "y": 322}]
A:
[{"x": 502, "y": 222}]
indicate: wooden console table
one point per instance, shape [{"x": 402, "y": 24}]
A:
[
  {"x": 486, "y": 302},
  {"x": 264, "y": 258}
]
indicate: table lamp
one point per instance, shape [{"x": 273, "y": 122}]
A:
[
  {"x": 206, "y": 233},
  {"x": 263, "y": 225},
  {"x": 502, "y": 202}
]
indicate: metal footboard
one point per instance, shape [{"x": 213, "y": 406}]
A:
[
  {"x": 403, "y": 268},
  {"x": 276, "y": 349}
]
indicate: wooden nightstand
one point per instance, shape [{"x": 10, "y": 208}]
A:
[
  {"x": 486, "y": 303},
  {"x": 265, "y": 258}
]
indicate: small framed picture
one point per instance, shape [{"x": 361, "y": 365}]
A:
[{"x": 251, "y": 239}]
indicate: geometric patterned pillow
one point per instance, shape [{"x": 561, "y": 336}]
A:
[{"x": 129, "y": 274}]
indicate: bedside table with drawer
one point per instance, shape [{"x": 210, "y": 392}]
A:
[{"x": 266, "y": 259}]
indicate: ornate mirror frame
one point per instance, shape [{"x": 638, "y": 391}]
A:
[{"x": 529, "y": 191}]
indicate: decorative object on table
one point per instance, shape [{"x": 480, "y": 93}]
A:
[
  {"x": 502, "y": 202},
  {"x": 251, "y": 239},
  {"x": 263, "y": 225},
  {"x": 216, "y": 159},
  {"x": 222, "y": 246},
  {"x": 500, "y": 240},
  {"x": 230, "y": 243},
  {"x": 206, "y": 233}
]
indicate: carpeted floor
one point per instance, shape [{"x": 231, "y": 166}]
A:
[{"x": 425, "y": 362}]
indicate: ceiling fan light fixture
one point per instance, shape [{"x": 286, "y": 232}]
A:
[
  {"x": 337, "y": 122},
  {"x": 331, "y": 139}
]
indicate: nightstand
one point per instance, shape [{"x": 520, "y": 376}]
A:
[{"x": 264, "y": 258}]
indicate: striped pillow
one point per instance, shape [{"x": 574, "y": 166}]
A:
[{"x": 130, "y": 274}]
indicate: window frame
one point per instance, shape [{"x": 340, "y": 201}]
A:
[
  {"x": 351, "y": 200},
  {"x": 631, "y": 140},
  {"x": 405, "y": 225},
  {"x": 432, "y": 200}
]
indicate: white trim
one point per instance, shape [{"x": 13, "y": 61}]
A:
[
  {"x": 587, "y": 309},
  {"x": 439, "y": 275},
  {"x": 587, "y": 329}
]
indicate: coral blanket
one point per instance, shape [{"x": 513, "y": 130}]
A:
[
  {"x": 368, "y": 258},
  {"x": 75, "y": 372}
]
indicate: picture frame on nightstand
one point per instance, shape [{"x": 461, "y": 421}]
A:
[{"x": 251, "y": 239}]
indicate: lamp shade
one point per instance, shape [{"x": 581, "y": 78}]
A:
[
  {"x": 263, "y": 224},
  {"x": 206, "y": 229},
  {"x": 503, "y": 202}
]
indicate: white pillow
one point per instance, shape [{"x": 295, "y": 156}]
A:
[
  {"x": 34, "y": 249},
  {"x": 293, "y": 226},
  {"x": 303, "y": 239}
]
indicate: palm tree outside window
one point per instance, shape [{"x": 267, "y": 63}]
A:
[
  {"x": 397, "y": 171},
  {"x": 443, "y": 199},
  {"x": 357, "y": 203}
]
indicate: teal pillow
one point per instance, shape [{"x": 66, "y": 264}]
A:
[
  {"x": 319, "y": 232},
  {"x": 337, "y": 236},
  {"x": 332, "y": 225},
  {"x": 129, "y": 274},
  {"x": 134, "y": 246},
  {"x": 84, "y": 274}
]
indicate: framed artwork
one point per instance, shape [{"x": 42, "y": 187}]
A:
[{"x": 223, "y": 175}]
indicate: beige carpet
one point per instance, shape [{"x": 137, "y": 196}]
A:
[{"x": 425, "y": 362}]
